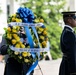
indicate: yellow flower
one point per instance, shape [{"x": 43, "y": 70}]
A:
[
  {"x": 41, "y": 29},
  {"x": 15, "y": 35},
  {"x": 20, "y": 42},
  {"x": 44, "y": 33},
  {"x": 20, "y": 20},
  {"x": 17, "y": 20},
  {"x": 37, "y": 27},
  {"x": 24, "y": 54},
  {"x": 26, "y": 60},
  {"x": 20, "y": 57},
  {"x": 22, "y": 46},
  {"x": 16, "y": 53},
  {"x": 28, "y": 54},
  {"x": 45, "y": 28},
  {"x": 17, "y": 45},
  {"x": 14, "y": 30},
  {"x": 44, "y": 43},
  {"x": 13, "y": 15},
  {"x": 41, "y": 45},
  {"x": 17, "y": 28},
  {"x": 13, "y": 19},
  {"x": 39, "y": 32},
  {"x": 13, "y": 27},
  {"x": 41, "y": 20},
  {"x": 42, "y": 37},
  {"x": 46, "y": 39},
  {"x": 9, "y": 29},
  {"x": 17, "y": 38},
  {"x": 36, "y": 20},
  {"x": 14, "y": 41},
  {"x": 28, "y": 46},
  {"x": 9, "y": 36}
]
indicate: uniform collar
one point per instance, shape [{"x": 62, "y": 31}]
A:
[{"x": 69, "y": 27}]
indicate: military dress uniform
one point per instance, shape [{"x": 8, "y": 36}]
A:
[
  {"x": 12, "y": 67},
  {"x": 68, "y": 45}
]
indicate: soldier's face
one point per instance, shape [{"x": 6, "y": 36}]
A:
[{"x": 72, "y": 22}]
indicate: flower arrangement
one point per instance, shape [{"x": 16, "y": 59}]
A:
[{"x": 16, "y": 35}]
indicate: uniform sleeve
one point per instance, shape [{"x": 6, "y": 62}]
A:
[
  {"x": 3, "y": 47},
  {"x": 69, "y": 40}
]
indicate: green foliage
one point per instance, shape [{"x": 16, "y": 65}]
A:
[
  {"x": 51, "y": 20},
  {"x": 0, "y": 10}
]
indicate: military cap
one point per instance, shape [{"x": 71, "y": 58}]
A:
[{"x": 69, "y": 14}]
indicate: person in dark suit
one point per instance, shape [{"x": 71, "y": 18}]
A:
[
  {"x": 68, "y": 45},
  {"x": 12, "y": 66}
]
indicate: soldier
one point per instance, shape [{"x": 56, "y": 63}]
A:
[
  {"x": 68, "y": 44},
  {"x": 13, "y": 67}
]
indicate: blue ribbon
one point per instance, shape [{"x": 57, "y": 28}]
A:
[
  {"x": 30, "y": 40},
  {"x": 35, "y": 32},
  {"x": 28, "y": 17},
  {"x": 21, "y": 15},
  {"x": 32, "y": 67},
  {"x": 26, "y": 13},
  {"x": 29, "y": 37}
]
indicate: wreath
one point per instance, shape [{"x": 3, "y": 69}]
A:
[{"x": 25, "y": 32}]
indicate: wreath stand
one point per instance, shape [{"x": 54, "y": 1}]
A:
[{"x": 40, "y": 69}]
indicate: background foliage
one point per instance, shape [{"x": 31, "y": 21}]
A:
[{"x": 50, "y": 11}]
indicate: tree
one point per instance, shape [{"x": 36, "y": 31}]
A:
[{"x": 50, "y": 11}]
